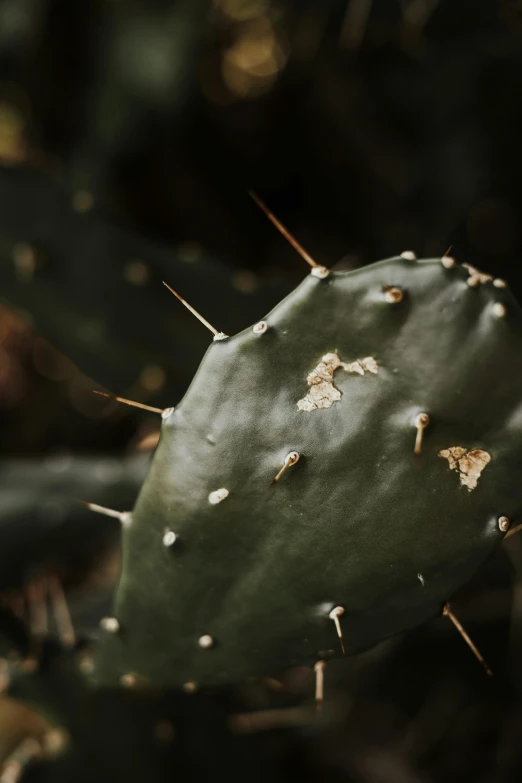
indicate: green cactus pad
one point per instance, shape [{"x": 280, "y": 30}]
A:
[{"x": 339, "y": 375}]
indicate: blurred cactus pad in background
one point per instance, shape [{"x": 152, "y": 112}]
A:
[{"x": 303, "y": 561}]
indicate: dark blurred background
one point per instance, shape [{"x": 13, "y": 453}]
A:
[{"x": 130, "y": 134}]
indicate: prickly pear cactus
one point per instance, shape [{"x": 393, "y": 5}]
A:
[{"x": 338, "y": 470}]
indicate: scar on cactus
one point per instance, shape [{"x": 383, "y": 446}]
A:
[
  {"x": 322, "y": 392},
  {"x": 470, "y": 464}
]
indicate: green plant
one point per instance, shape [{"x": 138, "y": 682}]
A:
[
  {"x": 338, "y": 470},
  {"x": 333, "y": 475}
]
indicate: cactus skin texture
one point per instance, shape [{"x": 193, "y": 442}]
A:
[{"x": 360, "y": 521}]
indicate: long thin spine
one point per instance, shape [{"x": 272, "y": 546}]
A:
[
  {"x": 287, "y": 235},
  {"x": 123, "y": 516},
  {"x": 132, "y": 403},
  {"x": 472, "y": 646},
  {"x": 217, "y": 334}
]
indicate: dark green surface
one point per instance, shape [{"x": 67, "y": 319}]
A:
[{"x": 359, "y": 516}]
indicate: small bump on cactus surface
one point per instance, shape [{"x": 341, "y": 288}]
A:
[
  {"x": 499, "y": 310},
  {"x": 393, "y": 294},
  {"x": 109, "y": 624},
  {"x": 169, "y": 538},
  {"x": 218, "y": 496}
]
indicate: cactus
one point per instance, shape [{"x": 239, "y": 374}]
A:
[{"x": 331, "y": 477}]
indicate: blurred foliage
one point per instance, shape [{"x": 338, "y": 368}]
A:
[
  {"x": 47, "y": 527},
  {"x": 128, "y": 735},
  {"x": 95, "y": 290},
  {"x": 130, "y": 133}
]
